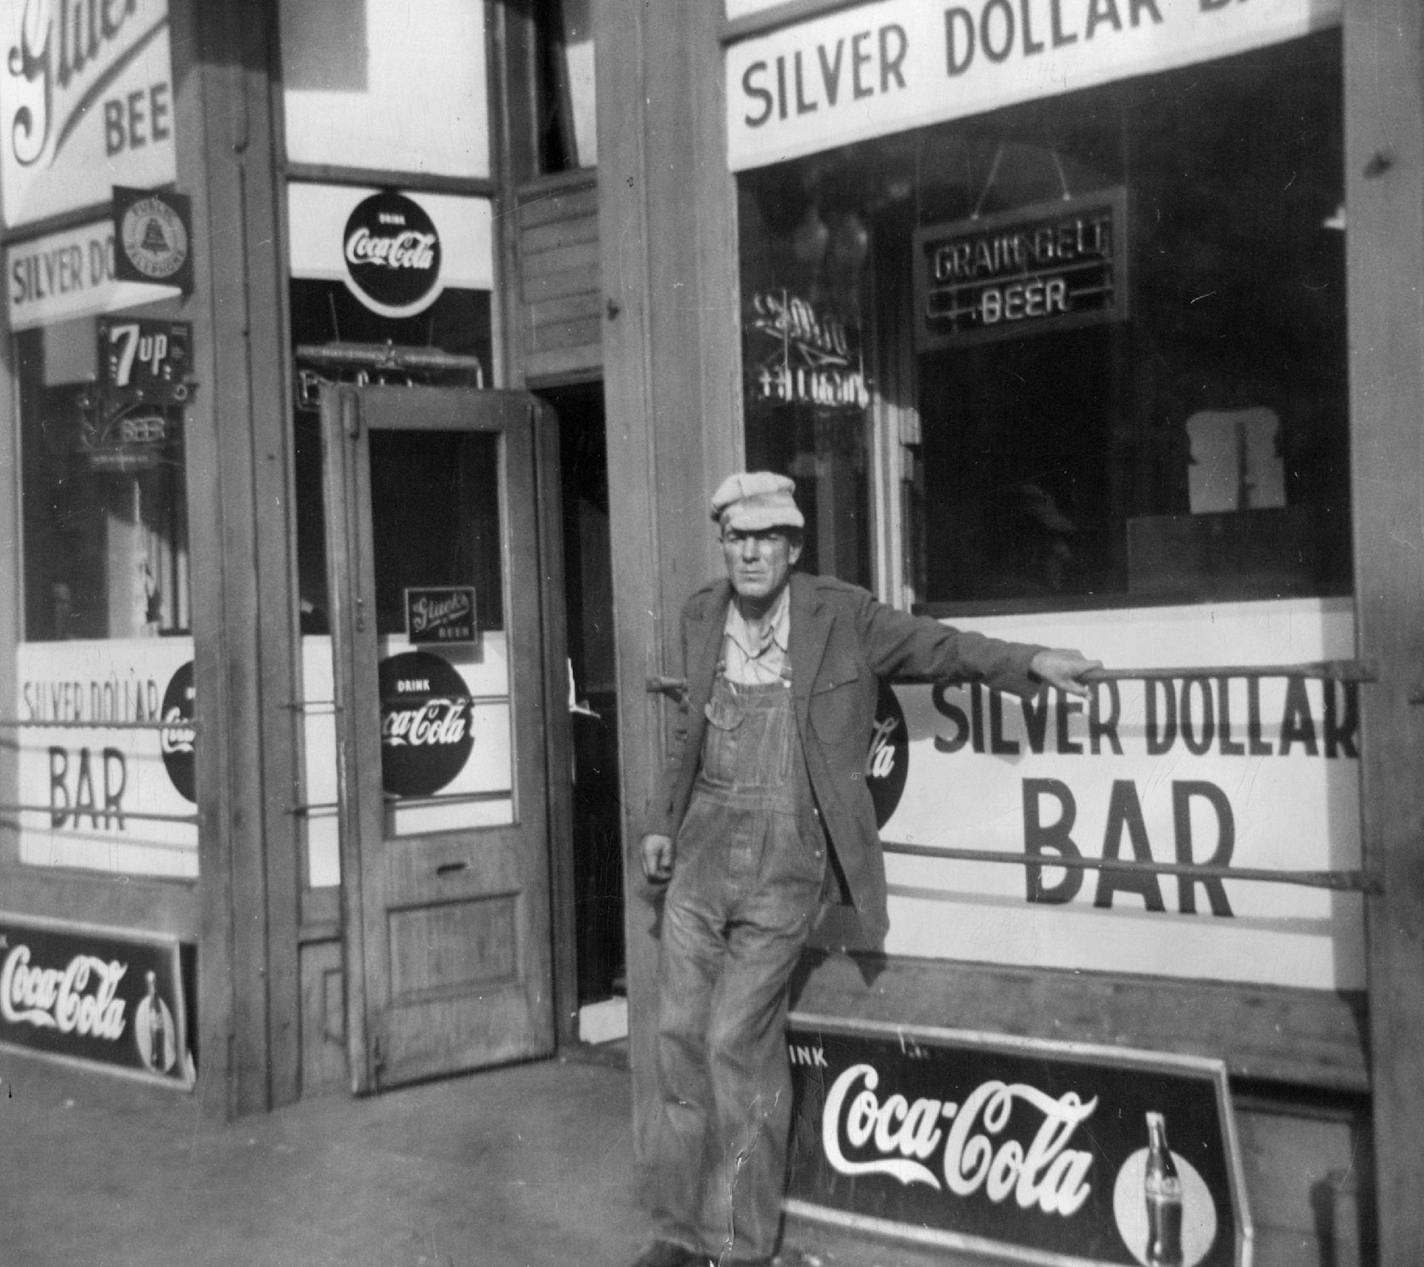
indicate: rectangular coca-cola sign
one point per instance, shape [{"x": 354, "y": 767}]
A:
[
  {"x": 97, "y": 996},
  {"x": 1035, "y": 1151}
]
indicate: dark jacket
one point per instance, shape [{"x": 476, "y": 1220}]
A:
[{"x": 843, "y": 640}]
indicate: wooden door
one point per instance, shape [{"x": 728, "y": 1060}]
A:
[{"x": 433, "y": 556}]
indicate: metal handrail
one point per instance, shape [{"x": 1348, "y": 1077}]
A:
[
  {"x": 26, "y": 723},
  {"x": 427, "y": 697},
  {"x": 308, "y": 808},
  {"x": 1326, "y": 670},
  {"x": 1341, "y": 881},
  {"x": 83, "y": 811}
]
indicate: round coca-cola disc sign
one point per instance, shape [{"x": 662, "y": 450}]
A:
[
  {"x": 888, "y": 762},
  {"x": 392, "y": 255},
  {"x": 426, "y": 734},
  {"x": 175, "y": 740}
]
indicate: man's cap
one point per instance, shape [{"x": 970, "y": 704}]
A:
[{"x": 754, "y": 501}]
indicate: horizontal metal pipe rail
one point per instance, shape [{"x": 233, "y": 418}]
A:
[
  {"x": 308, "y": 809},
  {"x": 1341, "y": 881},
  {"x": 431, "y": 697},
  {"x": 1325, "y": 670},
  {"x": 90, "y": 812},
  {"x": 23, "y": 723}
]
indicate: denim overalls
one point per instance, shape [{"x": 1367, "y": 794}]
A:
[{"x": 749, "y": 869}]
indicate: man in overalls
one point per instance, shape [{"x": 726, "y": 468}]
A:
[{"x": 763, "y": 813}]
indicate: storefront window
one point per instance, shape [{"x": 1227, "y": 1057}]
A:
[
  {"x": 565, "y": 110},
  {"x": 1103, "y": 336},
  {"x": 347, "y": 71},
  {"x": 105, "y": 518},
  {"x": 804, "y": 254},
  {"x": 105, "y": 667}
]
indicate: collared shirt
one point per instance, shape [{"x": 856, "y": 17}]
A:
[{"x": 748, "y": 657}]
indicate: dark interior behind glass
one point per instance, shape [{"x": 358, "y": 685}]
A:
[{"x": 1193, "y": 448}]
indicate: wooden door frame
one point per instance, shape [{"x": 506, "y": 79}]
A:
[{"x": 363, "y": 753}]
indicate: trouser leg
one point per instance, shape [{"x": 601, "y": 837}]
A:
[
  {"x": 692, "y": 957},
  {"x": 751, "y": 1087}
]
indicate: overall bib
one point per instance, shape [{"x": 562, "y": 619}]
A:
[{"x": 747, "y": 881}]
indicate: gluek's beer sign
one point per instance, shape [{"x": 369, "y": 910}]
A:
[
  {"x": 441, "y": 613},
  {"x": 85, "y": 98},
  {"x": 392, "y": 253},
  {"x": 1053, "y": 1153}
]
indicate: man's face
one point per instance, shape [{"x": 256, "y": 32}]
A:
[{"x": 759, "y": 563}]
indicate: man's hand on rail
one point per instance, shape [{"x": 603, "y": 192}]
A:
[{"x": 1064, "y": 669}]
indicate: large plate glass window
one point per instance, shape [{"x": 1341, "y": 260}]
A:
[
  {"x": 105, "y": 665},
  {"x": 1073, "y": 370},
  {"x": 1105, "y": 332}
]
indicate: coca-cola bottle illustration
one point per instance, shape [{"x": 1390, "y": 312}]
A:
[
  {"x": 1162, "y": 1188},
  {"x": 150, "y": 1016}
]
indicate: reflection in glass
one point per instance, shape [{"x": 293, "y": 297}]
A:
[
  {"x": 102, "y": 494},
  {"x": 1188, "y": 442}
]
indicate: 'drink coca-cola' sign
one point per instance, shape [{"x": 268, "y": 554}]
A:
[
  {"x": 1048, "y": 1152},
  {"x": 426, "y": 723},
  {"x": 100, "y": 996},
  {"x": 392, "y": 252}
]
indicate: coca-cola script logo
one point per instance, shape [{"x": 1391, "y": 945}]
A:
[
  {"x": 392, "y": 255},
  {"x": 962, "y": 1148},
  {"x": 175, "y": 740},
  {"x": 79, "y": 998},
  {"x": 888, "y": 762},
  {"x": 426, "y": 734}
]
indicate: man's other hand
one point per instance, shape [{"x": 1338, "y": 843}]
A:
[
  {"x": 1064, "y": 670},
  {"x": 657, "y": 857}
]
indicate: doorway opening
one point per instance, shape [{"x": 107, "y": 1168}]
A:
[{"x": 597, "y": 810}]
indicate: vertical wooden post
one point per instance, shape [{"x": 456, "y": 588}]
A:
[
  {"x": 667, "y": 222},
  {"x": 1384, "y": 157},
  {"x": 244, "y": 619}
]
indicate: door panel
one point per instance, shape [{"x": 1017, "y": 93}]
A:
[{"x": 433, "y": 560}]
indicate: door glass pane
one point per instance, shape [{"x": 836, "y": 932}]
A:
[{"x": 439, "y": 604}]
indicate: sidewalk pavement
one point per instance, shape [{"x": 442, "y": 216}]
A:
[{"x": 525, "y": 1166}]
